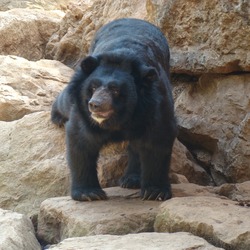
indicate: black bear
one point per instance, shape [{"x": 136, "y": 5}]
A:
[{"x": 121, "y": 91}]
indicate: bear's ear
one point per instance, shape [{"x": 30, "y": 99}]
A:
[
  {"x": 148, "y": 74},
  {"x": 89, "y": 64}
]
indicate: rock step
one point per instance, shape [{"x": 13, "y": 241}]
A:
[
  {"x": 152, "y": 241},
  {"x": 62, "y": 217},
  {"x": 123, "y": 213},
  {"x": 222, "y": 222}
]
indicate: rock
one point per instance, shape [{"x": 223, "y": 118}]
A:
[
  {"x": 213, "y": 117},
  {"x": 16, "y": 232},
  {"x": 25, "y": 32},
  {"x": 71, "y": 42},
  {"x": 31, "y": 4},
  {"x": 204, "y": 36},
  {"x": 190, "y": 189},
  {"x": 32, "y": 163},
  {"x": 221, "y": 222},
  {"x": 237, "y": 192},
  {"x": 27, "y": 86},
  {"x": 183, "y": 163},
  {"x": 123, "y": 213},
  {"x": 112, "y": 164},
  {"x": 153, "y": 241},
  {"x": 61, "y": 218},
  {"x": 199, "y": 33}
]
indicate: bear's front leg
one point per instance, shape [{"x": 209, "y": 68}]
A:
[
  {"x": 155, "y": 162},
  {"x": 82, "y": 155}
]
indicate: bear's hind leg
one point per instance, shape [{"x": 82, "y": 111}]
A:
[{"x": 132, "y": 176}]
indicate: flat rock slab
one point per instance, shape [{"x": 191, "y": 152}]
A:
[
  {"x": 222, "y": 222},
  {"x": 152, "y": 241},
  {"x": 63, "y": 217},
  {"x": 16, "y": 232}
]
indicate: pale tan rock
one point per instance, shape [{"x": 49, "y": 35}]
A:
[
  {"x": 112, "y": 164},
  {"x": 27, "y": 86},
  {"x": 38, "y": 4},
  {"x": 191, "y": 189},
  {"x": 25, "y": 32},
  {"x": 222, "y": 222},
  {"x": 123, "y": 213},
  {"x": 71, "y": 42},
  {"x": 17, "y": 232},
  {"x": 61, "y": 218},
  {"x": 214, "y": 115},
  {"x": 32, "y": 163},
  {"x": 205, "y": 36},
  {"x": 152, "y": 241}
]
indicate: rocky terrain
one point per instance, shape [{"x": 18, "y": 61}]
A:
[{"x": 41, "y": 42}]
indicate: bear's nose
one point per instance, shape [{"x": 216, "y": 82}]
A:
[{"x": 94, "y": 105}]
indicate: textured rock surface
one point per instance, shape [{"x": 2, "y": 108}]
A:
[
  {"x": 27, "y": 86},
  {"x": 38, "y": 4},
  {"x": 123, "y": 213},
  {"x": 72, "y": 40},
  {"x": 152, "y": 241},
  {"x": 214, "y": 116},
  {"x": 25, "y": 32},
  {"x": 61, "y": 218},
  {"x": 183, "y": 163},
  {"x": 205, "y": 36},
  {"x": 16, "y": 232},
  {"x": 32, "y": 163},
  {"x": 112, "y": 164},
  {"x": 222, "y": 222}
]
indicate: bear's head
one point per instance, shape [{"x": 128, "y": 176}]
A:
[{"x": 112, "y": 88}]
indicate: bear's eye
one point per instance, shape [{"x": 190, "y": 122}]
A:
[{"x": 114, "y": 90}]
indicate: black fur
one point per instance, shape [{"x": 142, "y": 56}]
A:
[{"x": 121, "y": 91}]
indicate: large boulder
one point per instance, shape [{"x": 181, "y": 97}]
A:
[
  {"x": 17, "y": 232},
  {"x": 222, "y": 222},
  {"x": 123, "y": 213},
  {"x": 214, "y": 121},
  {"x": 204, "y": 36},
  {"x": 32, "y": 163},
  {"x": 25, "y": 32},
  {"x": 62, "y": 217},
  {"x": 71, "y": 42},
  {"x": 27, "y": 87}
]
